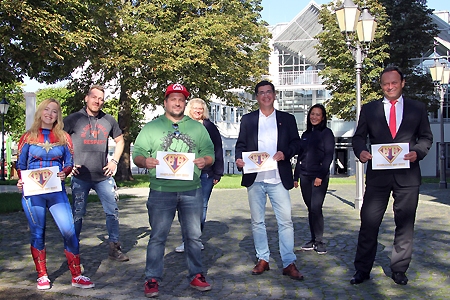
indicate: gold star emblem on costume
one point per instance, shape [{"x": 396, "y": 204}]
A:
[{"x": 47, "y": 146}]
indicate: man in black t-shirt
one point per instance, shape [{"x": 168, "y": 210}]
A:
[{"x": 90, "y": 129}]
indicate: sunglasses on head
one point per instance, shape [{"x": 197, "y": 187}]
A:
[{"x": 175, "y": 127}]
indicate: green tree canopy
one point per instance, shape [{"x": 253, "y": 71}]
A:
[
  {"x": 392, "y": 45},
  {"x": 411, "y": 35},
  {"x": 15, "y": 117},
  {"x": 339, "y": 70},
  {"x": 44, "y": 39},
  {"x": 62, "y": 94},
  {"x": 136, "y": 48},
  {"x": 411, "y": 32},
  {"x": 72, "y": 101},
  {"x": 209, "y": 46},
  {"x": 137, "y": 115}
]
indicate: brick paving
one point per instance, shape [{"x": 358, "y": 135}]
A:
[{"x": 229, "y": 253}]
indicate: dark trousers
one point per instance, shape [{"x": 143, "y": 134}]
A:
[
  {"x": 374, "y": 206},
  {"x": 314, "y": 197}
]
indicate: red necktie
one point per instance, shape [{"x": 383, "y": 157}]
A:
[{"x": 392, "y": 119}]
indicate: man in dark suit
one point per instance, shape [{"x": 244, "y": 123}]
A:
[
  {"x": 393, "y": 119},
  {"x": 271, "y": 131}
]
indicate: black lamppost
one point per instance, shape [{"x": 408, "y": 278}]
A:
[
  {"x": 4, "y": 105},
  {"x": 441, "y": 75},
  {"x": 351, "y": 19}
]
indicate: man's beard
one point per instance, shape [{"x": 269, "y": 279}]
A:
[{"x": 176, "y": 115}]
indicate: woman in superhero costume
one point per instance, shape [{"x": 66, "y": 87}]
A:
[{"x": 47, "y": 145}]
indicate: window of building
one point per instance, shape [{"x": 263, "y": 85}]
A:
[
  {"x": 214, "y": 113},
  {"x": 298, "y": 102},
  {"x": 239, "y": 114},
  {"x": 294, "y": 69},
  {"x": 224, "y": 114}
]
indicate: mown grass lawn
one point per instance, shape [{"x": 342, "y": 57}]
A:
[
  {"x": 11, "y": 202},
  {"x": 228, "y": 181},
  {"x": 231, "y": 181}
]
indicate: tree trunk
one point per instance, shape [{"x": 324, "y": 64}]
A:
[{"x": 124, "y": 166}]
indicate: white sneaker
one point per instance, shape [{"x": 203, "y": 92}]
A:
[
  {"x": 180, "y": 249},
  {"x": 43, "y": 283},
  {"x": 82, "y": 282}
]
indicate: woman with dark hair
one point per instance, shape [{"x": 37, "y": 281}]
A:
[
  {"x": 313, "y": 169},
  {"x": 47, "y": 145}
]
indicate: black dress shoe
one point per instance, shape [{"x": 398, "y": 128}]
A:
[
  {"x": 359, "y": 277},
  {"x": 400, "y": 278}
]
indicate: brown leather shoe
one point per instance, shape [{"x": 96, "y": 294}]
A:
[
  {"x": 292, "y": 272},
  {"x": 260, "y": 267}
]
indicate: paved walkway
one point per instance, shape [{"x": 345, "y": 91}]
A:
[{"x": 229, "y": 254}]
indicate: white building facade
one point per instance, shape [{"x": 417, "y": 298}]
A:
[{"x": 294, "y": 70}]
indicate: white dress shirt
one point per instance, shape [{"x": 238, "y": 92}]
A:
[{"x": 267, "y": 141}]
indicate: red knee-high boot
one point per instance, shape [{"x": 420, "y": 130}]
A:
[
  {"x": 78, "y": 280},
  {"x": 43, "y": 283}
]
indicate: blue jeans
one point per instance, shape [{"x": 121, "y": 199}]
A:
[
  {"x": 106, "y": 193},
  {"x": 281, "y": 204},
  {"x": 35, "y": 208},
  {"x": 207, "y": 187},
  {"x": 162, "y": 207}
]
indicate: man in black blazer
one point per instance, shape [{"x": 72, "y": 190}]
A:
[
  {"x": 410, "y": 125},
  {"x": 276, "y": 132}
]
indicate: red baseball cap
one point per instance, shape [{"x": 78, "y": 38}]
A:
[{"x": 177, "y": 88}]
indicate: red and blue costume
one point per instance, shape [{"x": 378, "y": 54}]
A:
[{"x": 41, "y": 153}]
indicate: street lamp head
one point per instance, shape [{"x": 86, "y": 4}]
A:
[
  {"x": 445, "y": 76},
  {"x": 347, "y": 16},
  {"x": 4, "y": 105},
  {"x": 437, "y": 71},
  {"x": 366, "y": 27}
]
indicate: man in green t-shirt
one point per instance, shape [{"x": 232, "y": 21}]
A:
[{"x": 174, "y": 133}]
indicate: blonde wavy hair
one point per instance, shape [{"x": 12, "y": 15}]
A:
[
  {"x": 197, "y": 101},
  {"x": 58, "y": 126}
]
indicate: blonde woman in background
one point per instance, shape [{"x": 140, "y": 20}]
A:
[{"x": 198, "y": 110}]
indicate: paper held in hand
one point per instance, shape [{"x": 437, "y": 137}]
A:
[
  {"x": 175, "y": 165},
  {"x": 390, "y": 156},
  {"x": 258, "y": 161},
  {"x": 41, "y": 181}
]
